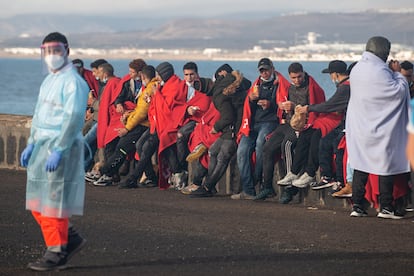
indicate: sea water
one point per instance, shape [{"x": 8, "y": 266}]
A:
[{"x": 20, "y": 79}]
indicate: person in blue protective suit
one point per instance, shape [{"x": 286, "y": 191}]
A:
[{"x": 55, "y": 175}]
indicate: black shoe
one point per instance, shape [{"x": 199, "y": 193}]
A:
[
  {"x": 128, "y": 184},
  {"x": 201, "y": 192},
  {"x": 148, "y": 183},
  {"x": 358, "y": 211},
  {"x": 288, "y": 194},
  {"x": 50, "y": 261},
  {"x": 75, "y": 244},
  {"x": 265, "y": 193}
]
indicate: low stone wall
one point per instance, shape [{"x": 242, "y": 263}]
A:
[{"x": 15, "y": 130}]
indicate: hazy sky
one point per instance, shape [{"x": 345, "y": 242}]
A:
[{"x": 190, "y": 7}]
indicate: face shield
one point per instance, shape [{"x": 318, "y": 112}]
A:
[{"x": 54, "y": 56}]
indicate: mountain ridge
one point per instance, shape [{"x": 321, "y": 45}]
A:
[{"x": 280, "y": 30}]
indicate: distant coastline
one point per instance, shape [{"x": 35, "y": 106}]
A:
[
  {"x": 183, "y": 55},
  {"x": 304, "y": 52}
]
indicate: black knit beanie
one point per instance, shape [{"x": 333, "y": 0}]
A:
[{"x": 165, "y": 70}]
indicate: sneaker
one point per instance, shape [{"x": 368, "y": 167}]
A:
[
  {"x": 49, "y": 261},
  {"x": 344, "y": 192},
  {"x": 75, "y": 244},
  {"x": 189, "y": 189},
  {"x": 409, "y": 207},
  {"x": 357, "y": 211},
  {"x": 388, "y": 214},
  {"x": 265, "y": 193},
  {"x": 287, "y": 180},
  {"x": 303, "y": 181},
  {"x": 242, "y": 196},
  {"x": 148, "y": 183},
  {"x": 288, "y": 194},
  {"x": 179, "y": 180},
  {"x": 201, "y": 192},
  {"x": 324, "y": 183},
  {"x": 92, "y": 176},
  {"x": 128, "y": 184},
  {"x": 103, "y": 181},
  {"x": 198, "y": 151}
]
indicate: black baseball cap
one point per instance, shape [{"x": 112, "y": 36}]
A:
[
  {"x": 336, "y": 66},
  {"x": 265, "y": 63}
]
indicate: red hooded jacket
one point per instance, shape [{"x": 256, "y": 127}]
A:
[{"x": 109, "y": 120}]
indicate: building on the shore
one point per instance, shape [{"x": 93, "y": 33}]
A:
[{"x": 310, "y": 50}]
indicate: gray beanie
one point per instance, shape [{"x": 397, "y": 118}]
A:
[{"x": 165, "y": 70}]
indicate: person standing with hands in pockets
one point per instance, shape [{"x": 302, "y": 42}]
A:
[{"x": 55, "y": 175}]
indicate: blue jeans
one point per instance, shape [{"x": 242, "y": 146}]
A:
[
  {"x": 90, "y": 146},
  {"x": 249, "y": 144}
]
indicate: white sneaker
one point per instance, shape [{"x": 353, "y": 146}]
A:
[
  {"x": 179, "y": 180},
  {"x": 287, "y": 180},
  {"x": 303, "y": 181}
]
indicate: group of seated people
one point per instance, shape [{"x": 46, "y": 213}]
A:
[{"x": 162, "y": 124}]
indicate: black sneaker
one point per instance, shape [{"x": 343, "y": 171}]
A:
[
  {"x": 288, "y": 194},
  {"x": 75, "y": 244},
  {"x": 201, "y": 192},
  {"x": 128, "y": 184},
  {"x": 265, "y": 193},
  {"x": 49, "y": 261},
  {"x": 103, "y": 181},
  {"x": 325, "y": 182},
  {"x": 92, "y": 176},
  {"x": 358, "y": 211}
]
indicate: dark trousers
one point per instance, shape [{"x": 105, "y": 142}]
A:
[
  {"x": 386, "y": 185},
  {"x": 272, "y": 150},
  {"x": 220, "y": 153},
  {"x": 198, "y": 173},
  {"x": 327, "y": 148},
  {"x": 123, "y": 146},
  {"x": 146, "y": 147},
  {"x": 182, "y": 142},
  {"x": 307, "y": 152},
  {"x": 170, "y": 154}
]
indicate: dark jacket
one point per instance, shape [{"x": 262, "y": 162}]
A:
[
  {"x": 127, "y": 94},
  {"x": 228, "y": 95}
]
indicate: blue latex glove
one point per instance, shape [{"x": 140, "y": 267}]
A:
[
  {"x": 53, "y": 160},
  {"x": 25, "y": 156}
]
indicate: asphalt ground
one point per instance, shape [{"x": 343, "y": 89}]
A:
[{"x": 146, "y": 231}]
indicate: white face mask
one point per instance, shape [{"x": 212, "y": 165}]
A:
[{"x": 54, "y": 62}]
